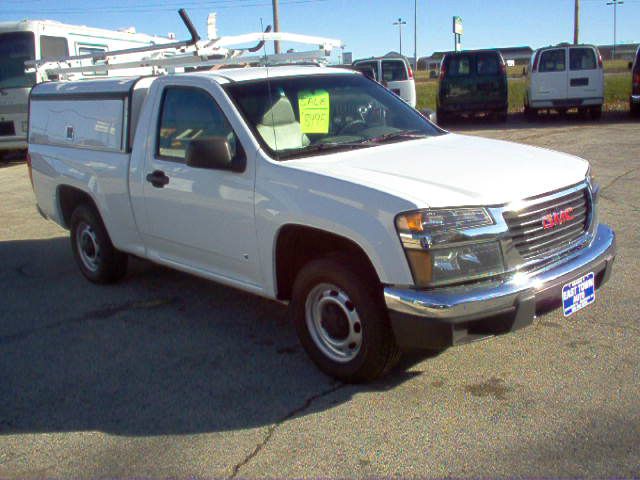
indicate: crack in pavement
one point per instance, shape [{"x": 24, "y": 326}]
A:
[
  {"x": 274, "y": 427},
  {"x": 98, "y": 314},
  {"x": 618, "y": 178}
]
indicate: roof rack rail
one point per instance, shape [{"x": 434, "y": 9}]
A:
[{"x": 195, "y": 53}]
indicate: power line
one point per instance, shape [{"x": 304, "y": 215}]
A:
[{"x": 157, "y": 8}]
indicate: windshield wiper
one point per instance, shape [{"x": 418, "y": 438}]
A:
[
  {"x": 396, "y": 135},
  {"x": 319, "y": 147}
]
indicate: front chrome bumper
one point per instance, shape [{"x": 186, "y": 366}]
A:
[
  {"x": 635, "y": 98},
  {"x": 453, "y": 311}
]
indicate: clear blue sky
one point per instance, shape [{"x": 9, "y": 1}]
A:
[{"x": 364, "y": 26}]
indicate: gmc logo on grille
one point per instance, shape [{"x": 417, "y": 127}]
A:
[{"x": 557, "y": 218}]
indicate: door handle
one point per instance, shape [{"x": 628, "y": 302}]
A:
[{"x": 158, "y": 179}]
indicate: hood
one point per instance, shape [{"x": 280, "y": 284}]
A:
[{"x": 452, "y": 170}]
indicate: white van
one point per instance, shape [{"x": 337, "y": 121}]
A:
[
  {"x": 394, "y": 73},
  {"x": 564, "y": 77},
  {"x": 37, "y": 39}
]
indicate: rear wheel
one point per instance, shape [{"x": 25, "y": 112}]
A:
[
  {"x": 342, "y": 321},
  {"x": 98, "y": 259},
  {"x": 530, "y": 114},
  {"x": 501, "y": 116},
  {"x": 442, "y": 116},
  {"x": 596, "y": 113}
]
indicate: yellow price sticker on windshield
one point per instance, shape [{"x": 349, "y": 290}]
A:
[{"x": 314, "y": 111}]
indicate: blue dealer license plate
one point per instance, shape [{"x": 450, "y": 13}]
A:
[{"x": 578, "y": 294}]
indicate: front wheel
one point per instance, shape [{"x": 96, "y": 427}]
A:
[
  {"x": 635, "y": 110},
  {"x": 98, "y": 259},
  {"x": 341, "y": 320},
  {"x": 596, "y": 113}
]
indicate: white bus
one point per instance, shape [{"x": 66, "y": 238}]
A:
[{"x": 38, "y": 39}]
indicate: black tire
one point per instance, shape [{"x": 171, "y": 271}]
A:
[
  {"x": 596, "y": 113},
  {"x": 92, "y": 247},
  {"x": 377, "y": 352},
  {"x": 441, "y": 116},
  {"x": 583, "y": 112},
  {"x": 635, "y": 110},
  {"x": 531, "y": 114},
  {"x": 502, "y": 115}
]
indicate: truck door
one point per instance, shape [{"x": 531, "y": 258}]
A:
[
  {"x": 199, "y": 218},
  {"x": 586, "y": 78},
  {"x": 549, "y": 83}
]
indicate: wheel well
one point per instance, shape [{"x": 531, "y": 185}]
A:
[
  {"x": 297, "y": 245},
  {"x": 69, "y": 198}
]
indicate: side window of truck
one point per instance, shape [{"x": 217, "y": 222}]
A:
[{"x": 187, "y": 114}]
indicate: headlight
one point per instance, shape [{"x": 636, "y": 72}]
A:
[{"x": 440, "y": 252}]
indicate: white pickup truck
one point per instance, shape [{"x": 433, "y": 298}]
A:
[{"x": 320, "y": 188}]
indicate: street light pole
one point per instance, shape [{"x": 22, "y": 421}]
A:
[
  {"x": 615, "y": 4},
  {"x": 399, "y": 23},
  {"x": 415, "y": 35},
  {"x": 276, "y": 26},
  {"x": 576, "y": 23}
]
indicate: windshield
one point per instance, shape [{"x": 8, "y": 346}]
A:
[
  {"x": 15, "y": 49},
  {"x": 301, "y": 115}
]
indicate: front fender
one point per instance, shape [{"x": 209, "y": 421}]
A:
[{"x": 286, "y": 195}]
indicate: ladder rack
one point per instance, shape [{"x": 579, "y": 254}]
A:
[{"x": 196, "y": 53}]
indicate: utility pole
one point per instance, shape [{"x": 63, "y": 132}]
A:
[
  {"x": 615, "y": 4},
  {"x": 399, "y": 23},
  {"x": 576, "y": 24},
  {"x": 415, "y": 35},
  {"x": 276, "y": 26}
]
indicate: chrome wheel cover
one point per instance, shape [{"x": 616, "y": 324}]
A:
[{"x": 333, "y": 322}]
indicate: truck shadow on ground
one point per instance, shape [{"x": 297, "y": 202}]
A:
[
  {"x": 517, "y": 121},
  {"x": 160, "y": 353}
]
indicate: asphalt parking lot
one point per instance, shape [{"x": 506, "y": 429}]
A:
[{"x": 166, "y": 375}]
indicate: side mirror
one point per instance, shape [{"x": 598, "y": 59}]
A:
[
  {"x": 214, "y": 153},
  {"x": 630, "y": 65}
]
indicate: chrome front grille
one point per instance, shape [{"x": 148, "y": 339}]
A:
[{"x": 527, "y": 226}]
